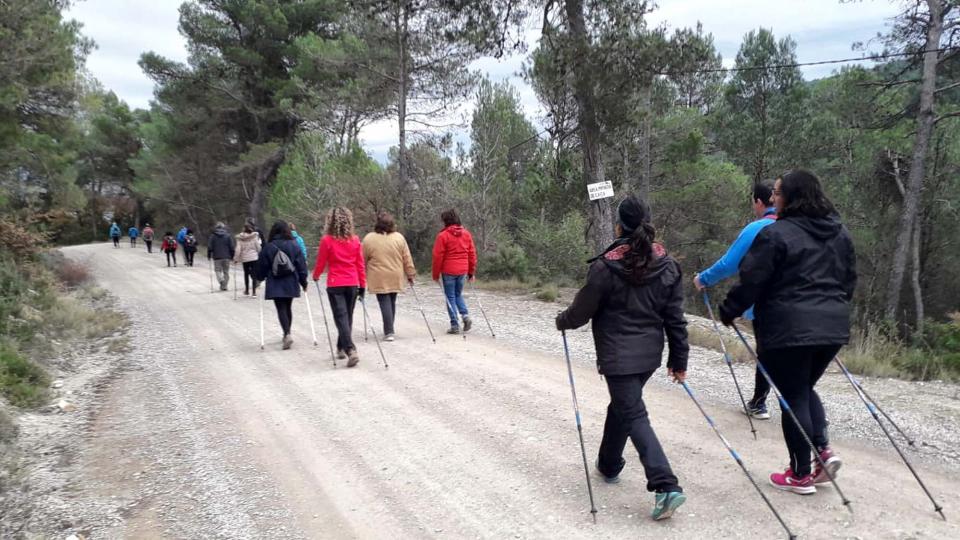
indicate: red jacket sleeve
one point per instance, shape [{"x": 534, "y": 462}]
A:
[
  {"x": 322, "y": 253},
  {"x": 438, "y": 252},
  {"x": 361, "y": 266},
  {"x": 471, "y": 256}
]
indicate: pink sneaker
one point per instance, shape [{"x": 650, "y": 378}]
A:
[
  {"x": 787, "y": 481},
  {"x": 832, "y": 462}
]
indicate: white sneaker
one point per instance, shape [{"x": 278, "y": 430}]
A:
[{"x": 389, "y": 337}]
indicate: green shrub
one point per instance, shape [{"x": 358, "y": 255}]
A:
[
  {"x": 22, "y": 382},
  {"x": 509, "y": 261},
  {"x": 556, "y": 250}
]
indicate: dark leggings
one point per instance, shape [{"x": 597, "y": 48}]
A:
[
  {"x": 795, "y": 371},
  {"x": 343, "y": 300},
  {"x": 173, "y": 255},
  {"x": 116, "y": 241},
  {"x": 388, "y": 308},
  {"x": 250, "y": 275},
  {"x": 627, "y": 418},
  {"x": 149, "y": 244},
  {"x": 188, "y": 255},
  {"x": 761, "y": 389},
  {"x": 284, "y": 313}
]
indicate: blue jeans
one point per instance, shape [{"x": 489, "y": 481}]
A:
[{"x": 453, "y": 289}]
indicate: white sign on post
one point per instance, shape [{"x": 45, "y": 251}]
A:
[{"x": 600, "y": 190}]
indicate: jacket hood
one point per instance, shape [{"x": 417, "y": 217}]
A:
[
  {"x": 456, "y": 230},
  {"x": 660, "y": 267},
  {"x": 220, "y": 231},
  {"x": 246, "y": 236},
  {"x": 820, "y": 228}
]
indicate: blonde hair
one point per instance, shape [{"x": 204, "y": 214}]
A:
[{"x": 339, "y": 223}]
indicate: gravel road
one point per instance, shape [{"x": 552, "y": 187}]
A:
[{"x": 206, "y": 436}]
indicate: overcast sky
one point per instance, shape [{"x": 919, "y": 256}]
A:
[{"x": 823, "y": 29}]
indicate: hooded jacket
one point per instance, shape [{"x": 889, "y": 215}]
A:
[
  {"x": 114, "y": 230},
  {"x": 220, "y": 245},
  {"x": 800, "y": 275},
  {"x": 248, "y": 247},
  {"x": 132, "y": 232},
  {"x": 454, "y": 253},
  {"x": 148, "y": 234},
  {"x": 630, "y": 320}
]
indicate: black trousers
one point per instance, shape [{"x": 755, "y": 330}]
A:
[
  {"x": 388, "y": 307},
  {"x": 149, "y": 244},
  {"x": 249, "y": 275},
  {"x": 343, "y": 300},
  {"x": 171, "y": 254},
  {"x": 116, "y": 241},
  {"x": 188, "y": 255},
  {"x": 795, "y": 371},
  {"x": 133, "y": 241},
  {"x": 761, "y": 389},
  {"x": 627, "y": 418},
  {"x": 284, "y": 313}
]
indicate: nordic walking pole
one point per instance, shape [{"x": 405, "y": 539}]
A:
[
  {"x": 210, "y": 265},
  {"x": 576, "y": 413},
  {"x": 235, "y": 282},
  {"x": 325, "y": 324},
  {"x": 449, "y": 305},
  {"x": 726, "y": 358},
  {"x": 261, "y": 318},
  {"x": 424, "y": 315},
  {"x": 793, "y": 416},
  {"x": 482, "y": 312},
  {"x": 863, "y": 391},
  {"x": 736, "y": 457},
  {"x": 873, "y": 412},
  {"x": 365, "y": 323},
  {"x": 375, "y": 338},
  {"x": 313, "y": 331}
]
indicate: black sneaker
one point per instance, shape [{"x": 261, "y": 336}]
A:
[
  {"x": 759, "y": 412},
  {"x": 454, "y": 330},
  {"x": 467, "y": 324}
]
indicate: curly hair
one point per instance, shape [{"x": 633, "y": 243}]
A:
[{"x": 339, "y": 223}]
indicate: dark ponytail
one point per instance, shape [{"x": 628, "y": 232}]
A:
[{"x": 637, "y": 260}]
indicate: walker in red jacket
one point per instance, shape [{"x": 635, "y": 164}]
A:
[
  {"x": 341, "y": 256},
  {"x": 455, "y": 261}
]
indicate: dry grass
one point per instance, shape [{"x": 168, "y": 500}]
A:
[
  {"x": 705, "y": 337},
  {"x": 72, "y": 273}
]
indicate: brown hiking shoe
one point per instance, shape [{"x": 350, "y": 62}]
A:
[
  {"x": 354, "y": 358},
  {"x": 287, "y": 341}
]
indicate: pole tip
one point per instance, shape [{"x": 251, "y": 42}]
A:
[
  {"x": 849, "y": 507},
  {"x": 594, "y": 513}
]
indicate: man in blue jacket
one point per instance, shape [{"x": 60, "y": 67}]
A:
[
  {"x": 182, "y": 237},
  {"x": 728, "y": 266}
]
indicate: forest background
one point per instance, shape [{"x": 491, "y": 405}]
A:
[{"x": 264, "y": 121}]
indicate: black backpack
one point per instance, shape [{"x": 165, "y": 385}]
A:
[
  {"x": 190, "y": 241},
  {"x": 282, "y": 265}
]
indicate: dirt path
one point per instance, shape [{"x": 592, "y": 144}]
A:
[{"x": 208, "y": 437}]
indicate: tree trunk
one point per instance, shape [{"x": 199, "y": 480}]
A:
[
  {"x": 915, "y": 277},
  {"x": 914, "y": 187},
  {"x": 402, "y": 95},
  {"x": 646, "y": 174},
  {"x": 600, "y": 223},
  {"x": 265, "y": 175}
]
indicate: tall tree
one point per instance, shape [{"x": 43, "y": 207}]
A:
[
  {"x": 243, "y": 54},
  {"x": 762, "y": 105},
  {"x": 934, "y": 25},
  {"x": 423, "y": 49}
]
